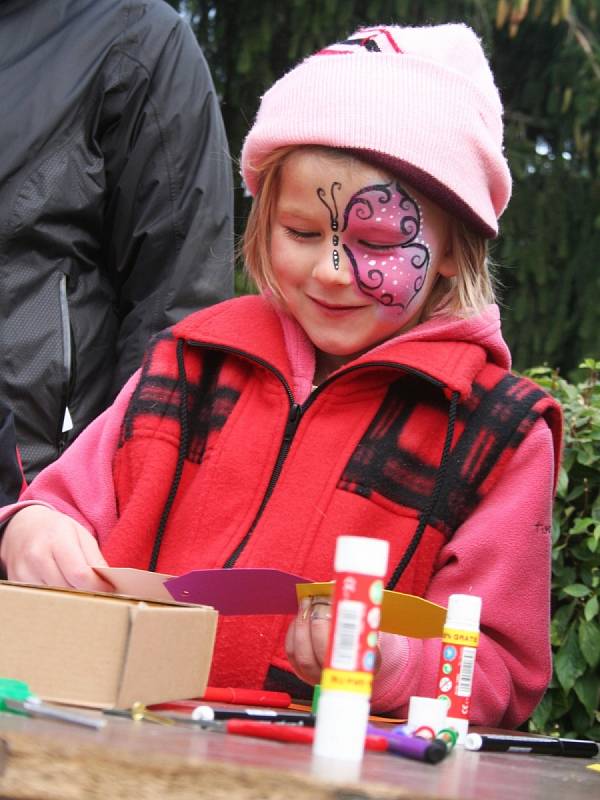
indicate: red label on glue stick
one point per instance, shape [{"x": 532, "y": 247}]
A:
[
  {"x": 457, "y": 663},
  {"x": 356, "y": 614}
]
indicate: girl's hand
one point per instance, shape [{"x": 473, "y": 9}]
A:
[
  {"x": 307, "y": 638},
  {"x": 43, "y": 546}
]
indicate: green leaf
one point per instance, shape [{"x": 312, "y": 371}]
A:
[
  {"x": 576, "y": 590},
  {"x": 563, "y": 482},
  {"x": 569, "y": 663},
  {"x": 581, "y": 525},
  {"x": 587, "y": 690},
  {"x": 560, "y": 622},
  {"x": 589, "y": 641},
  {"x": 591, "y": 608},
  {"x": 542, "y": 713}
]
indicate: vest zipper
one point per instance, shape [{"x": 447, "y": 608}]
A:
[
  {"x": 294, "y": 416},
  {"x": 293, "y": 420}
]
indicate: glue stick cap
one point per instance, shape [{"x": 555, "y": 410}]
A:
[
  {"x": 361, "y": 555},
  {"x": 464, "y": 611}
]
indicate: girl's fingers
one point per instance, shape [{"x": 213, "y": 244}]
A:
[
  {"x": 71, "y": 548},
  {"x": 299, "y": 645},
  {"x": 320, "y": 626},
  {"x": 307, "y": 639},
  {"x": 47, "y": 573}
]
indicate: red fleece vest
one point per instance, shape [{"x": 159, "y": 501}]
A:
[{"x": 245, "y": 486}]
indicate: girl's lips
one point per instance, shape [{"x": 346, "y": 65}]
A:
[{"x": 335, "y": 309}]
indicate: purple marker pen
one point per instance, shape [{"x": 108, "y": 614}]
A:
[
  {"x": 404, "y": 744},
  {"x": 431, "y": 751}
]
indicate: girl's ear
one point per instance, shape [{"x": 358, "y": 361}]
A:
[{"x": 447, "y": 266}]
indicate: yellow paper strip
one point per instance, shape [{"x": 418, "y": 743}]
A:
[{"x": 401, "y": 613}]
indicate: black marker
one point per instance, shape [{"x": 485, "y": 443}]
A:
[
  {"x": 548, "y": 745},
  {"x": 209, "y": 714}
]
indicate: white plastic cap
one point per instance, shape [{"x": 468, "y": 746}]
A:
[
  {"x": 461, "y": 726},
  {"x": 341, "y": 726},
  {"x": 362, "y": 555},
  {"x": 426, "y": 711},
  {"x": 464, "y": 611}
]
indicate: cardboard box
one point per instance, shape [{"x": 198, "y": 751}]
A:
[{"x": 103, "y": 651}]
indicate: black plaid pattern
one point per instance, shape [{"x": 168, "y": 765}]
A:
[
  {"x": 209, "y": 403},
  {"x": 492, "y": 424}
]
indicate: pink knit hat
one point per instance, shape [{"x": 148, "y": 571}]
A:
[{"x": 420, "y": 102}]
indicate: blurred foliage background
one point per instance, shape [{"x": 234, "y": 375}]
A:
[
  {"x": 545, "y": 55},
  {"x": 546, "y": 58}
]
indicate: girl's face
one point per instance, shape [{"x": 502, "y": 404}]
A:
[{"x": 355, "y": 253}]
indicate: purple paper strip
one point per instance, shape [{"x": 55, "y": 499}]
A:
[{"x": 238, "y": 591}]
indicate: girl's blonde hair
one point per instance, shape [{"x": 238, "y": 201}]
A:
[{"x": 466, "y": 294}]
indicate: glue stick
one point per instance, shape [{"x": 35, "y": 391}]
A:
[
  {"x": 343, "y": 711},
  {"x": 459, "y": 647}
]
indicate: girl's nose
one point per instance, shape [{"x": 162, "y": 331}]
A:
[{"x": 332, "y": 266}]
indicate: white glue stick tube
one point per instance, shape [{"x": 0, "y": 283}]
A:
[
  {"x": 343, "y": 710},
  {"x": 457, "y": 663}
]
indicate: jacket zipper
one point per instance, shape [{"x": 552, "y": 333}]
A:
[
  {"x": 294, "y": 416},
  {"x": 63, "y": 430}
]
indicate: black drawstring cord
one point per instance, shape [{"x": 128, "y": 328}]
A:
[
  {"x": 439, "y": 482},
  {"x": 183, "y": 449}
]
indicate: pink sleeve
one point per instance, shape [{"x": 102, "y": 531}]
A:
[
  {"x": 80, "y": 482},
  {"x": 503, "y": 554}
]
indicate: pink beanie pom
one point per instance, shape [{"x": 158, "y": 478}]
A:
[{"x": 420, "y": 102}]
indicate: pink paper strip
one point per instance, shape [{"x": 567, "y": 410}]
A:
[{"x": 238, "y": 591}]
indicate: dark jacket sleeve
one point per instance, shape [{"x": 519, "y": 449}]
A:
[
  {"x": 169, "y": 212},
  {"x": 12, "y": 481}
]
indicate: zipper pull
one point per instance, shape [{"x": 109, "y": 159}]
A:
[{"x": 292, "y": 421}]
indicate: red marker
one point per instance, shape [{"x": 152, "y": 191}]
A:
[
  {"x": 242, "y": 697},
  {"x": 247, "y": 697},
  {"x": 287, "y": 733}
]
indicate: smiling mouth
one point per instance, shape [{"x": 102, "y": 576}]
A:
[{"x": 335, "y": 307}]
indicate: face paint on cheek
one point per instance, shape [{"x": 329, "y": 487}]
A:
[
  {"x": 333, "y": 217},
  {"x": 392, "y": 268}
]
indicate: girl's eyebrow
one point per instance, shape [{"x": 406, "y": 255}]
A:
[{"x": 297, "y": 213}]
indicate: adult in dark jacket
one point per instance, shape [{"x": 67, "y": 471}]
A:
[{"x": 116, "y": 200}]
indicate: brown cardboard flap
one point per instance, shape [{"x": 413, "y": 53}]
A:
[
  {"x": 103, "y": 651},
  {"x": 63, "y": 648},
  {"x": 164, "y": 642}
]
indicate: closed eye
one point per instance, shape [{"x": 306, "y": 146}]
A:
[
  {"x": 293, "y": 233},
  {"x": 380, "y": 245}
]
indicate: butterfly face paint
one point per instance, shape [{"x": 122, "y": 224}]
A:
[
  {"x": 333, "y": 216},
  {"x": 382, "y": 236}
]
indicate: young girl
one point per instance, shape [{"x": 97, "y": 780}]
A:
[{"x": 366, "y": 391}]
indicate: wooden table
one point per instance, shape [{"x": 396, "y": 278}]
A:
[{"x": 142, "y": 761}]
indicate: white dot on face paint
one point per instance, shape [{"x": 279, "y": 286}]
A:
[
  {"x": 395, "y": 283},
  {"x": 372, "y": 263}
]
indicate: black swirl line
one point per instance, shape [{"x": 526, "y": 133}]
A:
[
  {"x": 365, "y": 210},
  {"x": 410, "y": 226},
  {"x": 333, "y": 209}
]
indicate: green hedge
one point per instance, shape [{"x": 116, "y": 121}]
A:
[{"x": 570, "y": 706}]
